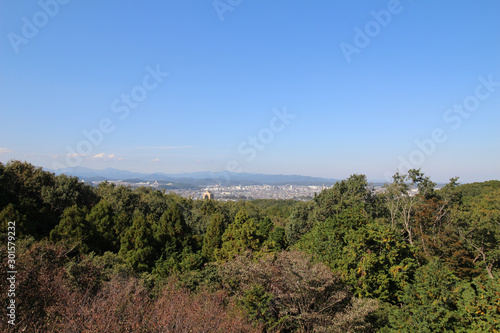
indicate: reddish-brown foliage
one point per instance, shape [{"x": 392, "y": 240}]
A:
[
  {"x": 126, "y": 306},
  {"x": 306, "y": 296},
  {"x": 438, "y": 237},
  {"x": 47, "y": 300},
  {"x": 39, "y": 276}
]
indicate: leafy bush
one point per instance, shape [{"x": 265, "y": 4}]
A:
[
  {"x": 287, "y": 292},
  {"x": 372, "y": 258}
]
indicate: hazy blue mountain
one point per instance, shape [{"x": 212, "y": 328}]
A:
[
  {"x": 109, "y": 173},
  {"x": 195, "y": 178}
]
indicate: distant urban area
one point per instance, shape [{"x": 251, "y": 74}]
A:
[
  {"x": 241, "y": 192},
  {"x": 219, "y": 186},
  {"x": 237, "y": 192}
]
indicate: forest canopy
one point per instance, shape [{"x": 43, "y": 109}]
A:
[{"x": 116, "y": 259}]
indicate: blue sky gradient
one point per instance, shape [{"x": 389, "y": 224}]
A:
[{"x": 233, "y": 66}]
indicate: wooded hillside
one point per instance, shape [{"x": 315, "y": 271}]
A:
[{"x": 113, "y": 259}]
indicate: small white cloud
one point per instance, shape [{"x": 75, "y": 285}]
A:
[
  {"x": 155, "y": 160},
  {"x": 101, "y": 156},
  {"x": 104, "y": 156},
  {"x": 5, "y": 151}
]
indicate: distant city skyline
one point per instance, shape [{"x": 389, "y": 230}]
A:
[{"x": 314, "y": 89}]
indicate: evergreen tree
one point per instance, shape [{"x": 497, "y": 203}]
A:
[
  {"x": 212, "y": 240},
  {"x": 276, "y": 240},
  {"x": 137, "y": 244},
  {"x": 22, "y": 186},
  {"x": 240, "y": 236},
  {"x": 171, "y": 232},
  {"x": 300, "y": 221},
  {"x": 478, "y": 224},
  {"x": 264, "y": 228},
  {"x": 66, "y": 192},
  {"x": 348, "y": 193},
  {"x": 103, "y": 218},
  {"x": 173, "y": 243},
  {"x": 74, "y": 228},
  {"x": 10, "y": 214},
  {"x": 372, "y": 258},
  {"x": 429, "y": 304}
]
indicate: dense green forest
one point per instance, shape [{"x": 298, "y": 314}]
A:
[{"x": 113, "y": 259}]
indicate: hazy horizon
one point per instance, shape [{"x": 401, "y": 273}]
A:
[
  {"x": 222, "y": 172},
  {"x": 313, "y": 89}
]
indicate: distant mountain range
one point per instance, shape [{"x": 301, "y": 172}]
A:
[{"x": 194, "y": 178}]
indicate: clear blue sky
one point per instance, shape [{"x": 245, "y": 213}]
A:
[{"x": 353, "y": 102}]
